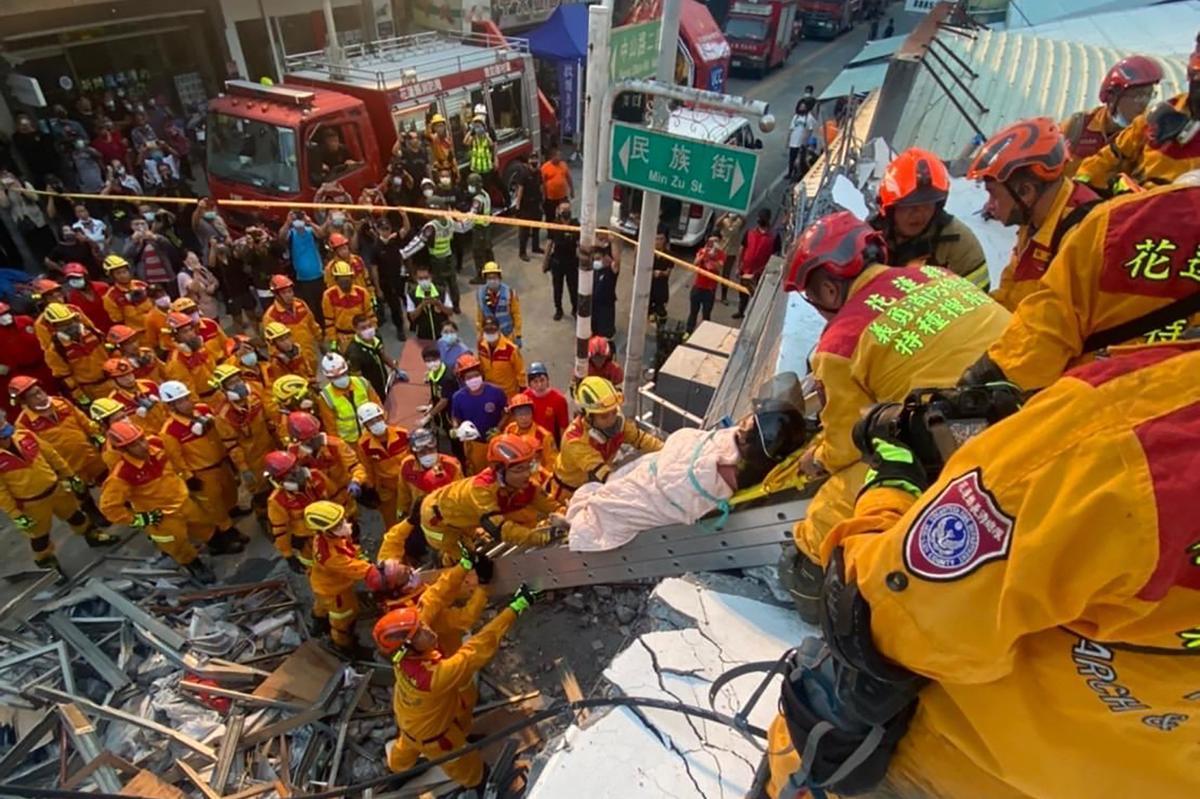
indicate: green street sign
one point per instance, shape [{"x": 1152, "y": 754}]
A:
[
  {"x": 686, "y": 169},
  {"x": 633, "y": 50}
]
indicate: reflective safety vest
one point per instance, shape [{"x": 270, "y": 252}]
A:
[
  {"x": 345, "y": 409},
  {"x": 500, "y": 310},
  {"x": 485, "y": 208},
  {"x": 443, "y": 237},
  {"x": 481, "y": 155}
]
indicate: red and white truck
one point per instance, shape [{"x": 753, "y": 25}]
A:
[
  {"x": 827, "y": 19},
  {"x": 760, "y": 34}
]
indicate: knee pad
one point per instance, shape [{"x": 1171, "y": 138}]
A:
[
  {"x": 40, "y": 543},
  {"x": 78, "y": 519}
]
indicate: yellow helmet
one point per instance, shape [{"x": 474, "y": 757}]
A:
[
  {"x": 222, "y": 373},
  {"x": 288, "y": 388},
  {"x": 114, "y": 262},
  {"x": 323, "y": 515},
  {"x": 342, "y": 269},
  {"x": 104, "y": 408},
  {"x": 597, "y": 395},
  {"x": 184, "y": 305},
  {"x": 436, "y": 118},
  {"x": 275, "y": 330},
  {"x": 491, "y": 268},
  {"x": 59, "y": 314}
]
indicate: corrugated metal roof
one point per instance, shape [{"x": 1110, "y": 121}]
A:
[
  {"x": 1034, "y": 12},
  {"x": 1019, "y": 76},
  {"x": 859, "y": 80},
  {"x": 1162, "y": 30}
]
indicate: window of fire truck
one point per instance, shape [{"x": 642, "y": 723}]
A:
[
  {"x": 506, "y": 110},
  {"x": 335, "y": 149},
  {"x": 251, "y": 152},
  {"x": 743, "y": 28}
]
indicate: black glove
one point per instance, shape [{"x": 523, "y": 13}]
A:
[
  {"x": 485, "y": 568},
  {"x": 1164, "y": 123},
  {"x": 893, "y": 465},
  {"x": 194, "y": 484},
  {"x": 982, "y": 372}
]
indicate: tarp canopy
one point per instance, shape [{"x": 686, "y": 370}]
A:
[{"x": 562, "y": 37}]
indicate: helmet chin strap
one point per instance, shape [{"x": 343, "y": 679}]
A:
[{"x": 1024, "y": 214}]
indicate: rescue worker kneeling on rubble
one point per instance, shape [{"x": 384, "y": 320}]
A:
[
  {"x": 890, "y": 330},
  {"x": 145, "y": 491},
  {"x": 422, "y": 471},
  {"x": 915, "y": 223},
  {"x": 475, "y": 509},
  {"x": 983, "y": 642},
  {"x": 594, "y": 437},
  {"x": 36, "y": 485},
  {"x": 296, "y": 487},
  {"x": 435, "y": 694}
]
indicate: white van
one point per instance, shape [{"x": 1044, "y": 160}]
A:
[{"x": 690, "y": 223}]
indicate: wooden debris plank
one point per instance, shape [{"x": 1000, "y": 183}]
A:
[
  {"x": 571, "y": 690},
  {"x": 147, "y": 786},
  {"x": 196, "y": 779}
]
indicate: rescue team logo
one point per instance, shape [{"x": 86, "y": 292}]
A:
[{"x": 961, "y": 530}]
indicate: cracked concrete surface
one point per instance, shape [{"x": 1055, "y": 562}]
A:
[{"x": 657, "y": 753}]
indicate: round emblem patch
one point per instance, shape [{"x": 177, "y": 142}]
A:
[
  {"x": 948, "y": 537},
  {"x": 960, "y": 530}
]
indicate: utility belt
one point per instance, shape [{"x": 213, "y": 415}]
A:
[{"x": 53, "y": 487}]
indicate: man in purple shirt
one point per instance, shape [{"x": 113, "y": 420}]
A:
[{"x": 480, "y": 403}]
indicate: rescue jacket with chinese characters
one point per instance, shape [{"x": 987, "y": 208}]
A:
[{"x": 136, "y": 486}]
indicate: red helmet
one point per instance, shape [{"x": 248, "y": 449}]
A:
[
  {"x": 1136, "y": 70},
  {"x": 465, "y": 363},
  {"x": 395, "y": 629},
  {"x": 915, "y": 177},
  {"x": 302, "y": 425},
  {"x": 337, "y": 240},
  {"x": 1035, "y": 144},
  {"x": 20, "y": 384},
  {"x": 119, "y": 334},
  {"x": 508, "y": 449},
  {"x": 521, "y": 400},
  {"x": 75, "y": 270},
  {"x": 122, "y": 433},
  {"x": 841, "y": 244},
  {"x": 279, "y": 463},
  {"x": 117, "y": 367},
  {"x": 281, "y": 282},
  {"x": 598, "y": 346}
]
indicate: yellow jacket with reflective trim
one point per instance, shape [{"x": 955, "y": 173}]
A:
[
  {"x": 584, "y": 457},
  {"x": 338, "y": 563},
  {"x": 453, "y": 512}
]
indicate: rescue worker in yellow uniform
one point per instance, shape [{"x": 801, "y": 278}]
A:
[
  {"x": 1125, "y": 92},
  {"x": 291, "y": 312},
  {"x": 194, "y": 445},
  {"x": 241, "y": 354},
  {"x": 155, "y": 320},
  {"x": 452, "y": 603},
  {"x": 342, "y": 396},
  {"x": 381, "y": 449},
  {"x": 190, "y": 361},
  {"x": 915, "y": 223},
  {"x": 36, "y": 485},
  {"x": 45, "y": 292},
  {"x": 1025, "y": 657},
  {"x": 76, "y": 354},
  {"x": 423, "y": 471},
  {"x": 1130, "y": 273},
  {"x": 520, "y": 408},
  {"x": 243, "y": 422},
  {"x": 1023, "y": 169},
  {"x": 290, "y": 393},
  {"x": 145, "y": 491},
  {"x": 210, "y": 331},
  {"x": 476, "y": 510},
  {"x": 123, "y": 341},
  {"x": 364, "y": 275},
  {"x": 340, "y": 303},
  {"x": 104, "y": 412},
  {"x": 61, "y": 426},
  {"x": 1157, "y": 147},
  {"x": 329, "y": 454},
  {"x": 501, "y": 360},
  {"x": 435, "y": 694},
  {"x": 889, "y": 331},
  {"x": 594, "y": 437},
  {"x": 295, "y": 488},
  {"x": 286, "y": 357},
  {"x": 138, "y": 397},
  {"x": 128, "y": 301}
]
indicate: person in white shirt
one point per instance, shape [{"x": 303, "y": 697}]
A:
[
  {"x": 88, "y": 225},
  {"x": 801, "y": 132}
]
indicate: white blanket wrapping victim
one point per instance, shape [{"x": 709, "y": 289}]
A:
[{"x": 653, "y": 491}]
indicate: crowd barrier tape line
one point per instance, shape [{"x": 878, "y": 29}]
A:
[{"x": 377, "y": 209}]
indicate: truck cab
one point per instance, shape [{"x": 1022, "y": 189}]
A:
[
  {"x": 827, "y": 19},
  {"x": 760, "y": 34}
]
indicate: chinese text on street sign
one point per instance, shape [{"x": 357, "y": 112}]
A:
[
  {"x": 686, "y": 169},
  {"x": 634, "y": 50}
]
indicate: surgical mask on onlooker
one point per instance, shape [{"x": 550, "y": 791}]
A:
[
  {"x": 298, "y": 224},
  {"x": 6, "y": 319},
  {"x": 425, "y": 283},
  {"x": 341, "y": 382},
  {"x": 449, "y": 337},
  {"x": 428, "y": 193},
  {"x": 427, "y": 460},
  {"x": 367, "y": 334},
  {"x": 493, "y": 282},
  {"x": 491, "y": 338},
  {"x": 149, "y": 216},
  {"x": 339, "y": 219},
  {"x": 432, "y": 365},
  {"x": 474, "y": 383},
  {"x": 210, "y": 215},
  {"x": 377, "y": 428}
]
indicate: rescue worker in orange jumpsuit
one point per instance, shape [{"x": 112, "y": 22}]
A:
[
  {"x": 155, "y": 321},
  {"x": 331, "y": 455},
  {"x": 37, "y": 484},
  {"x": 594, "y": 437},
  {"x": 890, "y": 331},
  {"x": 286, "y": 356},
  {"x": 138, "y": 397},
  {"x": 1016, "y": 654},
  {"x": 501, "y": 360},
  {"x": 123, "y": 341},
  {"x": 289, "y": 393},
  {"x": 422, "y": 471},
  {"x": 128, "y": 301},
  {"x": 104, "y": 411},
  {"x": 1023, "y": 169},
  {"x": 190, "y": 362},
  {"x": 1125, "y": 93},
  {"x": 194, "y": 446},
  {"x": 364, "y": 276},
  {"x": 20, "y": 354},
  {"x": 243, "y": 424},
  {"x": 340, "y": 303},
  {"x": 295, "y": 488},
  {"x": 1130, "y": 273},
  {"x": 146, "y": 492},
  {"x": 61, "y": 426},
  {"x": 381, "y": 449},
  {"x": 601, "y": 363},
  {"x": 435, "y": 695},
  {"x": 293, "y": 314},
  {"x": 46, "y": 292},
  {"x": 1157, "y": 147},
  {"x": 520, "y": 408},
  {"x": 209, "y": 329},
  {"x": 76, "y": 354},
  {"x": 86, "y": 295},
  {"x": 476, "y": 510}
]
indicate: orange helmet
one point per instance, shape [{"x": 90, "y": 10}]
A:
[
  {"x": 177, "y": 320},
  {"x": 598, "y": 346},
  {"x": 119, "y": 334},
  {"x": 1129, "y": 73},
  {"x": 508, "y": 449},
  {"x": 281, "y": 282},
  {"x": 465, "y": 363},
  {"x": 20, "y": 384},
  {"x": 122, "y": 433},
  {"x": 43, "y": 286},
  {"x": 337, "y": 240},
  {"x": 841, "y": 244},
  {"x": 302, "y": 425},
  {"x": 915, "y": 177},
  {"x": 75, "y": 270},
  {"x": 278, "y": 464},
  {"x": 395, "y": 629},
  {"x": 521, "y": 400},
  {"x": 1035, "y": 144},
  {"x": 117, "y": 367}
]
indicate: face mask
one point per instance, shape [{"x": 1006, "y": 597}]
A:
[
  {"x": 6, "y": 319},
  {"x": 76, "y": 282},
  {"x": 449, "y": 337},
  {"x": 210, "y": 215},
  {"x": 298, "y": 224},
  {"x": 196, "y": 317},
  {"x": 493, "y": 282},
  {"x": 154, "y": 154},
  {"x": 162, "y": 303},
  {"x": 428, "y": 192},
  {"x": 367, "y": 334},
  {"x": 429, "y": 365},
  {"x": 1119, "y": 120},
  {"x": 238, "y": 393},
  {"x": 79, "y": 144},
  {"x": 597, "y": 265},
  {"x": 148, "y": 216},
  {"x": 444, "y": 181},
  {"x": 250, "y": 359},
  {"x": 425, "y": 284},
  {"x": 427, "y": 459},
  {"x": 339, "y": 219},
  {"x": 377, "y": 428},
  {"x": 43, "y": 405},
  {"x": 197, "y": 428},
  {"x": 491, "y": 338},
  {"x": 70, "y": 332},
  {"x": 341, "y": 382},
  {"x": 291, "y": 485},
  {"x": 306, "y": 405},
  {"x": 474, "y": 383},
  {"x": 314, "y": 444}
]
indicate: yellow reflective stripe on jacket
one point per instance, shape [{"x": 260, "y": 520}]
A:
[
  {"x": 979, "y": 277},
  {"x": 163, "y": 539},
  {"x": 340, "y": 614},
  {"x": 432, "y": 536},
  {"x": 345, "y": 410}
]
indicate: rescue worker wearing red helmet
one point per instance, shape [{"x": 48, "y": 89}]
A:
[
  {"x": 914, "y": 221},
  {"x": 435, "y": 694},
  {"x": 76, "y": 353},
  {"x": 87, "y": 295},
  {"x": 889, "y": 330},
  {"x": 20, "y": 354},
  {"x": 1125, "y": 93},
  {"x": 295, "y": 488},
  {"x": 1129, "y": 273},
  {"x": 477, "y": 509},
  {"x": 290, "y": 311},
  {"x": 60, "y": 425},
  {"x": 122, "y": 341},
  {"x": 1157, "y": 147},
  {"x": 1010, "y": 652},
  {"x": 365, "y": 276},
  {"x": 451, "y": 604},
  {"x": 422, "y": 471},
  {"x": 138, "y": 397},
  {"x": 601, "y": 363},
  {"x": 1023, "y": 170},
  {"x": 331, "y": 455},
  {"x": 190, "y": 362}
]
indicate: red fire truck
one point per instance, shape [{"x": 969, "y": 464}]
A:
[
  {"x": 760, "y": 34},
  {"x": 828, "y": 19},
  {"x": 338, "y": 122}
]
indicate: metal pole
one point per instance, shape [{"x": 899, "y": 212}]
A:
[
  {"x": 639, "y": 306},
  {"x": 276, "y": 45},
  {"x": 599, "y": 26},
  {"x": 333, "y": 48}
]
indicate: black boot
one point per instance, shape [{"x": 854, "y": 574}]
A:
[
  {"x": 95, "y": 538},
  {"x": 200, "y": 570},
  {"x": 318, "y": 626},
  {"x": 225, "y": 542}
]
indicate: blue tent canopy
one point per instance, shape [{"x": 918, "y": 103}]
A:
[{"x": 562, "y": 37}]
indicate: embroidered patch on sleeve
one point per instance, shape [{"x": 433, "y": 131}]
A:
[{"x": 959, "y": 531}]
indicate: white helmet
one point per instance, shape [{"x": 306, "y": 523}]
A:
[
  {"x": 480, "y": 109},
  {"x": 467, "y": 431},
  {"x": 368, "y": 411},
  {"x": 333, "y": 365},
  {"x": 173, "y": 390}
]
